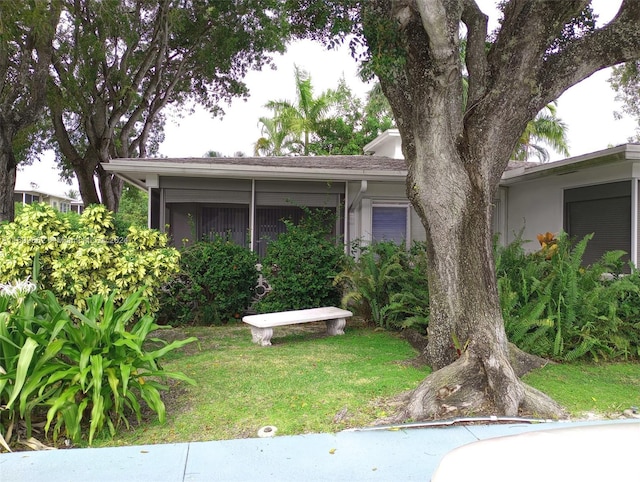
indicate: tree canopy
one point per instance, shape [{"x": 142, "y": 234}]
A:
[
  {"x": 118, "y": 63},
  {"x": 334, "y": 122},
  {"x": 625, "y": 81},
  {"x": 26, "y": 35}
]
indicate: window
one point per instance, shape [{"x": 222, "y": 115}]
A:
[
  {"x": 604, "y": 210},
  {"x": 390, "y": 223},
  {"x": 31, "y": 198},
  {"x": 232, "y": 221},
  {"x": 269, "y": 223}
]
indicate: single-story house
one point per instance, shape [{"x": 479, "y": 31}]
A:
[
  {"x": 246, "y": 197},
  {"x": 33, "y": 194}
]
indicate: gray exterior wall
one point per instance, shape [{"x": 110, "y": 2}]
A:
[{"x": 537, "y": 206}]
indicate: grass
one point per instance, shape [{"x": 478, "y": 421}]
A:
[
  {"x": 583, "y": 389},
  {"x": 305, "y": 383},
  {"x": 310, "y": 383}
]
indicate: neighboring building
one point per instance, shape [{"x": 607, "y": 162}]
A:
[
  {"x": 61, "y": 203},
  {"x": 247, "y": 197}
]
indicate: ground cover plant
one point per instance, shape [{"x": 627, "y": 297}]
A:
[
  {"x": 310, "y": 383},
  {"x": 552, "y": 305},
  {"x": 385, "y": 284},
  {"x": 555, "y": 307},
  {"x": 69, "y": 373}
]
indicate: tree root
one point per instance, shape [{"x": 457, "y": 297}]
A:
[
  {"x": 523, "y": 362},
  {"x": 462, "y": 389}
]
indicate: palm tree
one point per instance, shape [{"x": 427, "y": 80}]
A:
[
  {"x": 546, "y": 128},
  {"x": 298, "y": 121},
  {"x": 273, "y": 140}
]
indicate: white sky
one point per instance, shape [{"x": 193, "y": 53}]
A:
[{"x": 586, "y": 108}]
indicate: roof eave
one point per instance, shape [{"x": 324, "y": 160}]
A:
[
  {"x": 621, "y": 153},
  {"x": 135, "y": 171}
]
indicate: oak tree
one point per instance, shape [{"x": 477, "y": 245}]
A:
[
  {"x": 118, "y": 64},
  {"x": 456, "y": 152},
  {"x": 26, "y": 33}
]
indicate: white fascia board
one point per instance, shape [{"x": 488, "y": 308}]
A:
[
  {"x": 624, "y": 152},
  {"x": 130, "y": 169},
  {"x": 383, "y": 138}
]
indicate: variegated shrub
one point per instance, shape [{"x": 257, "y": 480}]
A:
[{"x": 80, "y": 261}]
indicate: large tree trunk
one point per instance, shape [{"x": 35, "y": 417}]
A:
[
  {"x": 467, "y": 343},
  {"x": 7, "y": 178},
  {"x": 25, "y": 55},
  {"x": 110, "y": 189},
  {"x": 86, "y": 184},
  {"x": 457, "y": 148}
]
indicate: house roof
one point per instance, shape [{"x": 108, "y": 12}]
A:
[
  {"x": 530, "y": 171},
  {"x": 326, "y": 168},
  {"x": 338, "y": 168}
]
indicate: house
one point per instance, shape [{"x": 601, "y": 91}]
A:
[
  {"x": 247, "y": 197},
  {"x": 35, "y": 195}
]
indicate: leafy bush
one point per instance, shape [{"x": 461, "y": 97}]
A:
[
  {"x": 132, "y": 210},
  {"x": 554, "y": 307},
  {"x": 85, "y": 257},
  {"x": 301, "y": 264},
  {"x": 76, "y": 369},
  {"x": 388, "y": 285},
  {"x": 215, "y": 283}
]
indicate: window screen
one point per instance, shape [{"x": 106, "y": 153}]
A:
[
  {"x": 389, "y": 223},
  {"x": 231, "y": 221},
  {"x": 604, "y": 210},
  {"x": 269, "y": 223}
]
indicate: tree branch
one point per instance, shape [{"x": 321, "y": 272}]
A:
[
  {"x": 617, "y": 42},
  {"x": 435, "y": 22},
  {"x": 476, "y": 57}
]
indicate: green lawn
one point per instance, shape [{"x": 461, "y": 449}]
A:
[
  {"x": 309, "y": 383},
  {"x": 607, "y": 388}
]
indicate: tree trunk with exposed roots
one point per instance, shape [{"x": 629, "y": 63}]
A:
[{"x": 456, "y": 151}]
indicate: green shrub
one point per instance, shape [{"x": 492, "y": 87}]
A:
[
  {"x": 554, "y": 307},
  {"x": 215, "y": 283},
  {"x": 76, "y": 370},
  {"x": 132, "y": 210},
  {"x": 301, "y": 264},
  {"x": 387, "y": 285},
  {"x": 80, "y": 257}
]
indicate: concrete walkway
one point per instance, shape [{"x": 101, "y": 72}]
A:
[{"x": 385, "y": 455}]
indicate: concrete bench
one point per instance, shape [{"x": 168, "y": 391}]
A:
[{"x": 262, "y": 325}]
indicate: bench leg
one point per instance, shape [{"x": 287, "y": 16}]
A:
[
  {"x": 261, "y": 336},
  {"x": 336, "y": 327}
]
